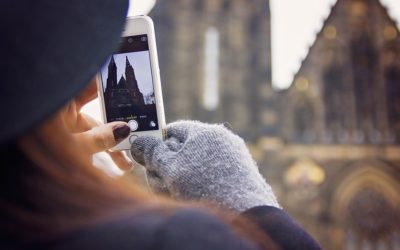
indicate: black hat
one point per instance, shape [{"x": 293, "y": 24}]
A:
[{"x": 49, "y": 51}]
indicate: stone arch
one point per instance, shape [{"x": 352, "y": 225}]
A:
[{"x": 365, "y": 207}]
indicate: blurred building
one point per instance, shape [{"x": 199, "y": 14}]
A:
[
  {"x": 329, "y": 145},
  {"x": 215, "y": 63}
]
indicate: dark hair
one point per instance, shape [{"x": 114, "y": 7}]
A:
[{"x": 48, "y": 187}]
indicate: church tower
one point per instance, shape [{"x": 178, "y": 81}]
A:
[
  {"x": 112, "y": 74},
  {"x": 341, "y": 158},
  {"x": 215, "y": 62},
  {"x": 132, "y": 84},
  {"x": 346, "y": 90},
  {"x": 111, "y": 85}
]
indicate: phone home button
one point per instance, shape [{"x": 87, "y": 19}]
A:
[
  {"x": 132, "y": 138},
  {"x": 133, "y": 125}
]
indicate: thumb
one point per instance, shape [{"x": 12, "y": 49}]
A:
[
  {"x": 105, "y": 136},
  {"x": 149, "y": 152}
]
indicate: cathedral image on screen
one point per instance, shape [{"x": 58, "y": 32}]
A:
[
  {"x": 121, "y": 86},
  {"x": 123, "y": 92}
]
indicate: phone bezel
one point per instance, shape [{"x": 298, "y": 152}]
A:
[{"x": 140, "y": 25}]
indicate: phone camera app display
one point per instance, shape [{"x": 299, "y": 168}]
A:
[{"x": 128, "y": 85}]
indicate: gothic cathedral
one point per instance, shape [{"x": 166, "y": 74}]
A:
[{"x": 329, "y": 145}]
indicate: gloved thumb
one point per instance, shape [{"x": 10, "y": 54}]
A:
[{"x": 144, "y": 148}]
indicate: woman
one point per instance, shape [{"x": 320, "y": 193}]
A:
[{"x": 51, "y": 197}]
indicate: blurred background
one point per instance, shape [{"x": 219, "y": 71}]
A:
[{"x": 313, "y": 86}]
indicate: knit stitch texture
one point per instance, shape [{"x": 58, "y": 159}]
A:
[{"x": 201, "y": 161}]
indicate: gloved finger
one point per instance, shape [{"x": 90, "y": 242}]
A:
[
  {"x": 156, "y": 183},
  {"x": 152, "y": 153},
  {"x": 180, "y": 130},
  {"x": 142, "y": 149},
  {"x": 228, "y": 126},
  {"x": 174, "y": 144}
]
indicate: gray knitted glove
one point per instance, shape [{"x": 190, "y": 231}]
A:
[{"x": 203, "y": 161}]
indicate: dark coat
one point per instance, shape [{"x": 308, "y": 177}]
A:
[{"x": 185, "y": 230}]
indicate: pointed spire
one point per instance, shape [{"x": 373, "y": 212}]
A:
[
  {"x": 112, "y": 61},
  {"x": 127, "y": 61},
  {"x": 112, "y": 73}
]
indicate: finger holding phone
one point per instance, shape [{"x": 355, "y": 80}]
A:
[{"x": 97, "y": 136}]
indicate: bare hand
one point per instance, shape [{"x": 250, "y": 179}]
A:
[{"x": 99, "y": 137}]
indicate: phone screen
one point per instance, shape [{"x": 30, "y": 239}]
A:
[{"x": 128, "y": 88}]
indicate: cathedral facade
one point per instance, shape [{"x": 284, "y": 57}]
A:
[
  {"x": 329, "y": 145},
  {"x": 341, "y": 156}
]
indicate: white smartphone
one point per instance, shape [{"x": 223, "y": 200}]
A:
[{"x": 130, "y": 85}]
